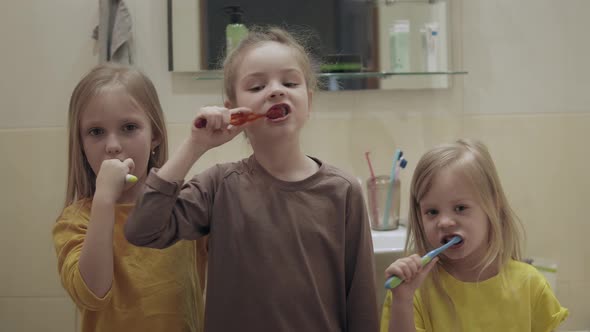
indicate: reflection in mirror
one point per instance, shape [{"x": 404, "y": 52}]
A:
[
  {"x": 335, "y": 29},
  {"x": 359, "y": 44},
  {"x": 424, "y": 24}
]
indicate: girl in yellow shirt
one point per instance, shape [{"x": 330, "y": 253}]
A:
[
  {"x": 479, "y": 284},
  {"x": 117, "y": 129}
]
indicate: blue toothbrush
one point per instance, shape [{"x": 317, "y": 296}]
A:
[
  {"x": 396, "y": 157},
  {"x": 394, "y": 281}
]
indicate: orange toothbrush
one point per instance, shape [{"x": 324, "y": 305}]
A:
[{"x": 239, "y": 118}]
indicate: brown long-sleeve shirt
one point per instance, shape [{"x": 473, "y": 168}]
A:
[{"x": 284, "y": 256}]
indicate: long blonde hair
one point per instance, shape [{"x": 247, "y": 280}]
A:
[
  {"x": 473, "y": 160},
  {"x": 81, "y": 179},
  {"x": 257, "y": 36}
]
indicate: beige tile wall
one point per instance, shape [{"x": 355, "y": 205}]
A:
[
  {"x": 532, "y": 115},
  {"x": 541, "y": 160},
  {"x": 33, "y": 174}
]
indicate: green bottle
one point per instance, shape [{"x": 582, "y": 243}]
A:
[
  {"x": 235, "y": 30},
  {"x": 400, "y": 46}
]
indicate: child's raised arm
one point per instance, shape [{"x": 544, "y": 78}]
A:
[
  {"x": 160, "y": 217},
  {"x": 96, "y": 258},
  {"x": 217, "y": 132}
]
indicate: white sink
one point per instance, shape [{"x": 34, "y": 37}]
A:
[
  {"x": 389, "y": 241},
  {"x": 388, "y": 246}
]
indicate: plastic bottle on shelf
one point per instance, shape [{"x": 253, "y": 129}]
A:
[
  {"x": 235, "y": 30},
  {"x": 399, "y": 43},
  {"x": 431, "y": 46}
]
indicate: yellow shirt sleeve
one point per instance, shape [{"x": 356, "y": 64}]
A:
[
  {"x": 547, "y": 312},
  {"x": 69, "y": 233}
]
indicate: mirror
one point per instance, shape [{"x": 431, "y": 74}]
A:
[{"x": 380, "y": 44}]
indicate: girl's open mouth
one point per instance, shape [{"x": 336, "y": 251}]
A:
[
  {"x": 278, "y": 111},
  {"x": 448, "y": 238}
]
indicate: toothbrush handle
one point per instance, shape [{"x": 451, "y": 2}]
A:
[
  {"x": 130, "y": 178},
  {"x": 236, "y": 119},
  {"x": 395, "y": 281},
  {"x": 396, "y": 157}
]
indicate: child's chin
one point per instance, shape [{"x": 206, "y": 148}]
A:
[{"x": 454, "y": 255}]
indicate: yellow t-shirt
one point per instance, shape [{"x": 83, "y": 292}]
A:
[
  {"x": 518, "y": 299},
  {"x": 152, "y": 290}
]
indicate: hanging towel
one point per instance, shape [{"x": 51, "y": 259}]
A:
[{"x": 113, "y": 33}]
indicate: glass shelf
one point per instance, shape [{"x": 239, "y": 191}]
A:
[
  {"x": 393, "y": 2},
  {"x": 387, "y": 74},
  {"x": 217, "y": 75}
]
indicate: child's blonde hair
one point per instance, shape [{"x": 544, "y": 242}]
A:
[
  {"x": 473, "y": 160},
  {"x": 257, "y": 36},
  {"x": 81, "y": 178}
]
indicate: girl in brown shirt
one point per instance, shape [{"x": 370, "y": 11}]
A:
[{"x": 290, "y": 244}]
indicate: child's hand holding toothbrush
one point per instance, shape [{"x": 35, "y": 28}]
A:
[
  {"x": 411, "y": 271},
  {"x": 112, "y": 178},
  {"x": 213, "y": 126}
]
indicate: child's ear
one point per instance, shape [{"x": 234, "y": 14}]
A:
[
  {"x": 227, "y": 104},
  {"x": 156, "y": 141}
]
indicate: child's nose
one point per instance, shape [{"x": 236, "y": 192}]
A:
[
  {"x": 113, "y": 145},
  {"x": 446, "y": 221},
  {"x": 277, "y": 91}
]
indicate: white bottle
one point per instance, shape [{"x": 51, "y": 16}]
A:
[
  {"x": 431, "y": 46},
  {"x": 399, "y": 43}
]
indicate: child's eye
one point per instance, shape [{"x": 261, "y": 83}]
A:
[
  {"x": 129, "y": 127},
  {"x": 431, "y": 212},
  {"x": 95, "y": 131},
  {"x": 290, "y": 85},
  {"x": 460, "y": 208},
  {"x": 256, "y": 88}
]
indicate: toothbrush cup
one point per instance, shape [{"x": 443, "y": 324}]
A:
[{"x": 377, "y": 188}]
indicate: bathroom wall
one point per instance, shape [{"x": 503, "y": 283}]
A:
[{"x": 525, "y": 96}]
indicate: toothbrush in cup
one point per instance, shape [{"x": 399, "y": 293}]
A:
[
  {"x": 394, "y": 281},
  {"x": 396, "y": 158},
  {"x": 371, "y": 191}
]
